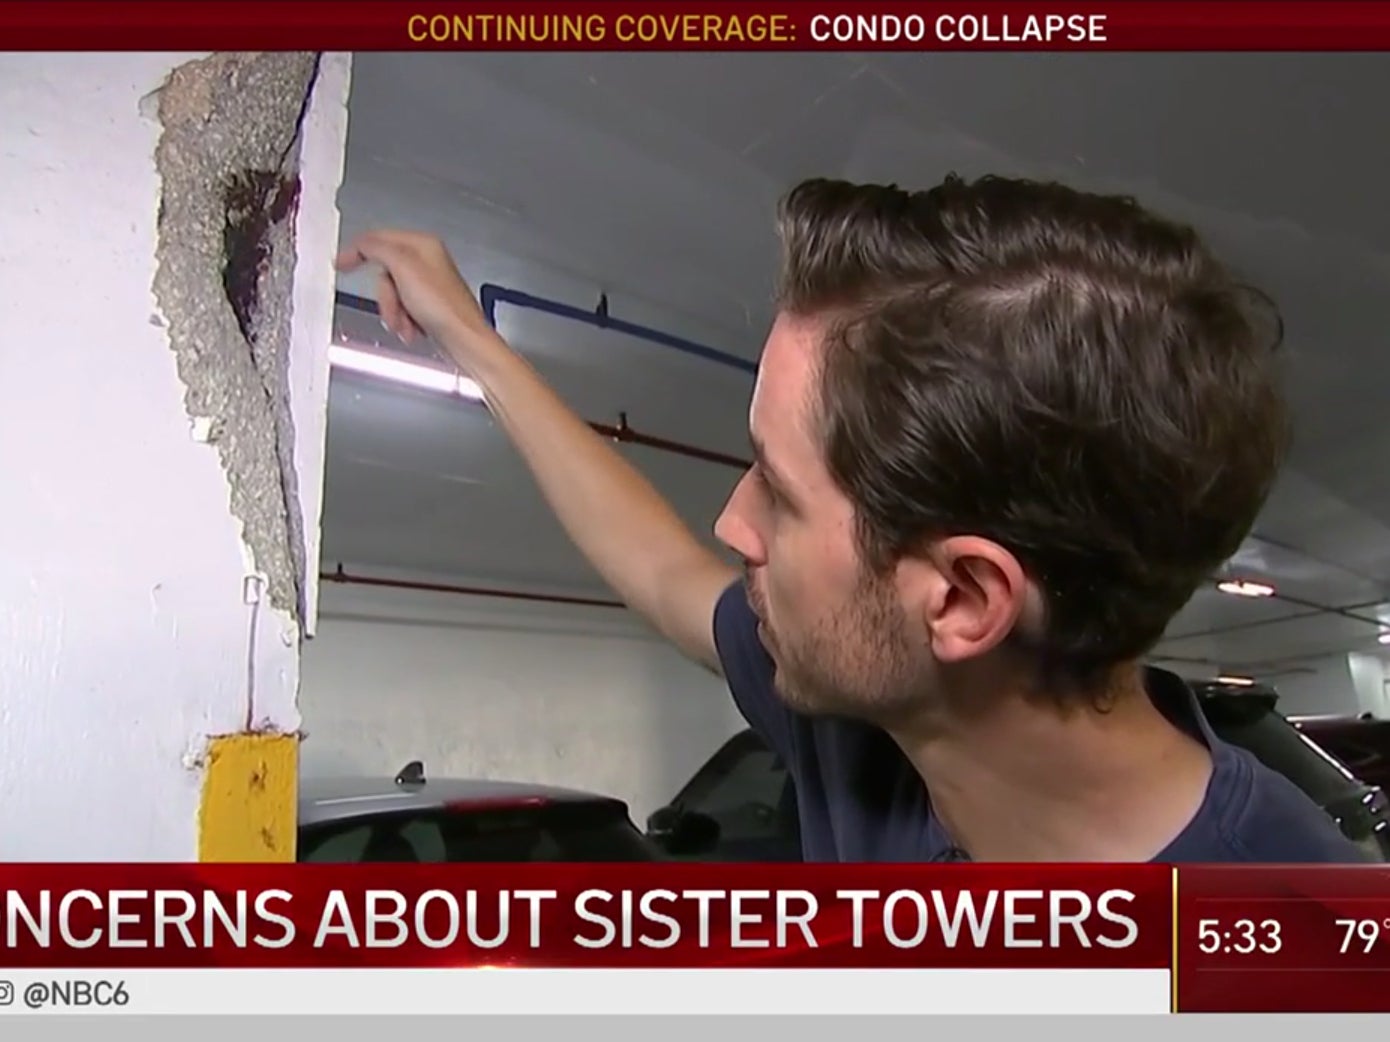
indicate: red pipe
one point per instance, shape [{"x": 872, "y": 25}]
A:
[
  {"x": 340, "y": 576},
  {"x": 622, "y": 432}
]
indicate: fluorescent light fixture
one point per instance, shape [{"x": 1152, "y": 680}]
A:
[
  {"x": 1384, "y": 637},
  {"x": 400, "y": 371},
  {"x": 1235, "y": 681},
  {"x": 1245, "y": 588}
]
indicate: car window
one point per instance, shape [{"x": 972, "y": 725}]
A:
[
  {"x": 334, "y": 845},
  {"x": 1363, "y": 745},
  {"x": 743, "y": 770},
  {"x": 745, "y": 788},
  {"x": 756, "y": 777},
  {"x": 554, "y": 832},
  {"x": 426, "y": 840}
]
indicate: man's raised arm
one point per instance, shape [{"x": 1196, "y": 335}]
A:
[{"x": 627, "y": 531}]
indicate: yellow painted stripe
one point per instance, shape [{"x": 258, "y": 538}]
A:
[{"x": 250, "y": 790}]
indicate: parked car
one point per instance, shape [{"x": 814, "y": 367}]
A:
[
  {"x": 1248, "y": 717},
  {"x": 1361, "y": 742},
  {"x": 414, "y": 819},
  {"x": 741, "y": 805}
]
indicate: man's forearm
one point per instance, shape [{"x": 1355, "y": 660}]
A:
[{"x": 621, "y": 524}]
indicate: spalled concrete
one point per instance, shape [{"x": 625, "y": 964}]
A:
[
  {"x": 226, "y": 259},
  {"x": 148, "y": 686}
]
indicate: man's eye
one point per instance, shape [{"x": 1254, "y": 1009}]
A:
[{"x": 765, "y": 485}]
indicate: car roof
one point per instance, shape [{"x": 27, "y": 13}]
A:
[{"x": 329, "y": 799}]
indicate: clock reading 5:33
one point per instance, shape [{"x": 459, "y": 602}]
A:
[{"x": 1239, "y": 936}]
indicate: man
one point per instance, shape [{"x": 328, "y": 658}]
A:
[{"x": 1002, "y": 431}]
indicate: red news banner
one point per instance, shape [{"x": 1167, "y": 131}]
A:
[
  {"x": 584, "y": 915},
  {"x": 1284, "y": 939},
  {"x": 1237, "y": 939},
  {"x": 681, "y": 25}
]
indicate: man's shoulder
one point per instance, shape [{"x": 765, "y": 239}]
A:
[
  {"x": 1267, "y": 819},
  {"x": 741, "y": 653},
  {"x": 1253, "y": 813},
  {"x": 749, "y": 671}
]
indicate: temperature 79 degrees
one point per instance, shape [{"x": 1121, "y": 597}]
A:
[{"x": 1361, "y": 932}]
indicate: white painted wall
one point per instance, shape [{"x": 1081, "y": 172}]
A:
[
  {"x": 1368, "y": 676},
  {"x": 1327, "y": 688},
  {"x": 487, "y": 688},
  {"x": 123, "y": 632}
]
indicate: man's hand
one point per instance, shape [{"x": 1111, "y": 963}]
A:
[{"x": 420, "y": 290}]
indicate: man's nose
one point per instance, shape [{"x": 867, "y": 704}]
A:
[{"x": 736, "y": 529}]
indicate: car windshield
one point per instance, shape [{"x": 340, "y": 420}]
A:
[{"x": 743, "y": 769}]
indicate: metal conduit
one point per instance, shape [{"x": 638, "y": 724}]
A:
[
  {"x": 490, "y": 296},
  {"x": 622, "y": 431}
]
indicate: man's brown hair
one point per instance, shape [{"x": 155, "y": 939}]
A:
[{"x": 1063, "y": 373}]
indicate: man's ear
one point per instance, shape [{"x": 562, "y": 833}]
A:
[{"x": 969, "y": 593}]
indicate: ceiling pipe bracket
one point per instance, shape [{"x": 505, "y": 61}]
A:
[{"x": 490, "y": 295}]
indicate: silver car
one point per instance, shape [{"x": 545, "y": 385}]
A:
[{"x": 414, "y": 819}]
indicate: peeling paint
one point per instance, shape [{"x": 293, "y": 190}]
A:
[{"x": 226, "y": 258}]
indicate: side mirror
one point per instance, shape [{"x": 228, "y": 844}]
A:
[{"x": 683, "y": 832}]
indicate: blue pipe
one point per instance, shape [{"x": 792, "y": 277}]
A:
[
  {"x": 353, "y": 302},
  {"x": 491, "y": 295}
]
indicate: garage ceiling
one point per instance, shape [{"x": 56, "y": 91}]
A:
[{"x": 651, "y": 179}]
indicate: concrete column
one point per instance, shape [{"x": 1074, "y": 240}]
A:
[{"x": 166, "y": 245}]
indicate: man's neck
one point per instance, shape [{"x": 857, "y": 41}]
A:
[{"x": 1024, "y": 781}]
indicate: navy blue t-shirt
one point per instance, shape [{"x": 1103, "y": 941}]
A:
[{"x": 860, "y": 798}]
